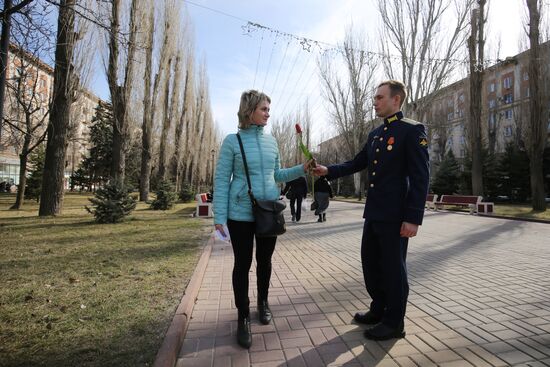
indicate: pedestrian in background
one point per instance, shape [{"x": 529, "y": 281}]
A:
[
  {"x": 323, "y": 194},
  {"x": 296, "y": 191}
]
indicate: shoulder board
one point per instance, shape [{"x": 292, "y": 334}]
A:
[{"x": 410, "y": 121}]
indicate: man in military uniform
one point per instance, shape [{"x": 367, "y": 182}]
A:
[{"x": 396, "y": 157}]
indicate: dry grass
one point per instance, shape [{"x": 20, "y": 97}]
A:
[{"x": 76, "y": 293}]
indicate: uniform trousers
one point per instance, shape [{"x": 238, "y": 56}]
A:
[
  {"x": 383, "y": 256},
  {"x": 242, "y": 241}
]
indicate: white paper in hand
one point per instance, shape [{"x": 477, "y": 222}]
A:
[{"x": 221, "y": 237}]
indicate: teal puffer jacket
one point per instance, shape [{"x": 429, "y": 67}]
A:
[{"x": 231, "y": 200}]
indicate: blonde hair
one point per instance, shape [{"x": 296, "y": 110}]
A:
[
  {"x": 250, "y": 100},
  {"x": 396, "y": 88}
]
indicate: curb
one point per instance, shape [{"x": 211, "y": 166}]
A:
[{"x": 168, "y": 352}]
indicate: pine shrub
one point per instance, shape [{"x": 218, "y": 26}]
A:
[
  {"x": 186, "y": 193},
  {"x": 111, "y": 203},
  {"x": 166, "y": 196}
]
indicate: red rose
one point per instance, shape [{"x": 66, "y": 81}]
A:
[{"x": 298, "y": 129}]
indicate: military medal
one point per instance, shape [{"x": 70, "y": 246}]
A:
[{"x": 391, "y": 140}]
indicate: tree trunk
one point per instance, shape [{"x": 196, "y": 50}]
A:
[
  {"x": 51, "y": 196},
  {"x": 537, "y": 123},
  {"x": 120, "y": 94},
  {"x": 23, "y": 158},
  {"x": 166, "y": 119},
  {"x": 475, "y": 47}
]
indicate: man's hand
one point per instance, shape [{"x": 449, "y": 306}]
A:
[
  {"x": 408, "y": 229},
  {"x": 320, "y": 170}
]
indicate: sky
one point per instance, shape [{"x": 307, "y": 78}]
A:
[{"x": 238, "y": 58}]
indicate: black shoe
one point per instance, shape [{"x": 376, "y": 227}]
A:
[
  {"x": 384, "y": 332},
  {"x": 320, "y": 218},
  {"x": 264, "y": 313},
  {"x": 324, "y": 217},
  {"x": 293, "y": 218},
  {"x": 367, "y": 318},
  {"x": 244, "y": 336}
]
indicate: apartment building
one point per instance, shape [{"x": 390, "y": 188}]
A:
[
  {"x": 505, "y": 107},
  {"x": 27, "y": 96}
]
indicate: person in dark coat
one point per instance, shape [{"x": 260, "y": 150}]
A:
[
  {"x": 295, "y": 191},
  {"x": 323, "y": 194},
  {"x": 396, "y": 158}
]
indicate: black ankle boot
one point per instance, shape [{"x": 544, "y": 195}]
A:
[
  {"x": 324, "y": 217},
  {"x": 244, "y": 336},
  {"x": 264, "y": 313},
  {"x": 320, "y": 218}
]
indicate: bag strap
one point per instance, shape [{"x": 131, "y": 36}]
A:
[{"x": 252, "y": 198}]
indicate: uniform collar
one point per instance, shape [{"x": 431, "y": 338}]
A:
[
  {"x": 253, "y": 129},
  {"x": 396, "y": 116}
]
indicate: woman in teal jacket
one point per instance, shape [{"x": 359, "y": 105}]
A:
[{"x": 232, "y": 204}]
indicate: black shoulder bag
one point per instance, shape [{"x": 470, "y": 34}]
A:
[{"x": 268, "y": 214}]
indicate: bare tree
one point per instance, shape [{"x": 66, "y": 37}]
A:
[
  {"x": 121, "y": 81},
  {"x": 184, "y": 135},
  {"x": 537, "y": 132},
  {"x": 28, "y": 112},
  {"x": 350, "y": 97},
  {"x": 428, "y": 39},
  {"x": 28, "y": 97},
  {"x": 476, "y": 45},
  {"x": 147, "y": 124}
]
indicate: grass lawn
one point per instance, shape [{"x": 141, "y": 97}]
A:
[
  {"x": 521, "y": 211},
  {"x": 76, "y": 293}
]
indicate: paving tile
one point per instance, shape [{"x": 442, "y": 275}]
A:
[{"x": 475, "y": 299}]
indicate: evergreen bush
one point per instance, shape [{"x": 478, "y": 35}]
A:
[
  {"x": 34, "y": 181},
  {"x": 111, "y": 203},
  {"x": 186, "y": 193},
  {"x": 166, "y": 196},
  {"x": 447, "y": 177}
]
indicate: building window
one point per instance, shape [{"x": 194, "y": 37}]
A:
[
  {"x": 525, "y": 76},
  {"x": 460, "y": 113},
  {"x": 508, "y": 131},
  {"x": 450, "y": 103},
  {"x": 9, "y": 173},
  {"x": 492, "y": 103},
  {"x": 527, "y": 95},
  {"x": 449, "y": 116},
  {"x": 462, "y": 140},
  {"x": 461, "y": 98},
  {"x": 491, "y": 87},
  {"x": 508, "y": 98},
  {"x": 508, "y": 114},
  {"x": 508, "y": 82}
]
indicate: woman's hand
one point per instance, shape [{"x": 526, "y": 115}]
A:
[
  {"x": 219, "y": 228},
  {"x": 309, "y": 165}
]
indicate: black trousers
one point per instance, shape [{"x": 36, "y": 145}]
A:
[
  {"x": 383, "y": 255},
  {"x": 242, "y": 240},
  {"x": 296, "y": 210}
]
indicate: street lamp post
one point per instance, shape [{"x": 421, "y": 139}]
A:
[{"x": 213, "y": 153}]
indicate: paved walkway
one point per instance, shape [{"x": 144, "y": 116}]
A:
[{"x": 480, "y": 295}]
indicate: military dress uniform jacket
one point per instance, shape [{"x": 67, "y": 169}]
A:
[{"x": 396, "y": 156}]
